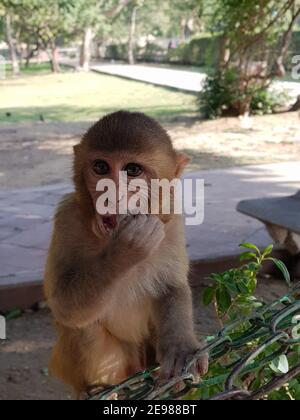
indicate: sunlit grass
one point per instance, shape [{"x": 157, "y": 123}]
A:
[
  {"x": 74, "y": 96},
  {"x": 31, "y": 69}
]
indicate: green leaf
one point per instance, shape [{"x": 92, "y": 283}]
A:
[
  {"x": 280, "y": 364},
  {"x": 256, "y": 384},
  {"x": 223, "y": 300},
  {"x": 248, "y": 245},
  {"x": 252, "y": 285},
  {"x": 268, "y": 250},
  {"x": 282, "y": 267},
  {"x": 13, "y": 314},
  {"x": 254, "y": 267},
  {"x": 243, "y": 288},
  {"x": 247, "y": 256},
  {"x": 209, "y": 295},
  {"x": 216, "y": 277},
  {"x": 231, "y": 286}
]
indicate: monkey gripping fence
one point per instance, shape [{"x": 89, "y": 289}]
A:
[{"x": 255, "y": 341}]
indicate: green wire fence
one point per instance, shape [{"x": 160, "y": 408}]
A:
[{"x": 249, "y": 359}]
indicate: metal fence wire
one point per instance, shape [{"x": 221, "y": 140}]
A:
[{"x": 240, "y": 359}]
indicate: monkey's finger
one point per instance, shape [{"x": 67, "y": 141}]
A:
[
  {"x": 200, "y": 367},
  {"x": 156, "y": 226},
  {"x": 166, "y": 369},
  {"x": 123, "y": 223},
  {"x": 123, "y": 218},
  {"x": 202, "y": 364},
  {"x": 128, "y": 222},
  {"x": 179, "y": 365}
]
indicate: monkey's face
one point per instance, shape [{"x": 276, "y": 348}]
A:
[
  {"x": 130, "y": 144},
  {"x": 109, "y": 178}
]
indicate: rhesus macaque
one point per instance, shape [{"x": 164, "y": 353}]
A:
[{"x": 117, "y": 285}]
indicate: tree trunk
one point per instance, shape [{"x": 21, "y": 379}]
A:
[
  {"x": 280, "y": 65},
  {"x": 131, "y": 42},
  {"x": 55, "y": 67},
  {"x": 286, "y": 40},
  {"x": 224, "y": 52},
  {"x": 85, "y": 51},
  {"x": 296, "y": 106},
  {"x": 29, "y": 54},
  {"x": 11, "y": 46}
]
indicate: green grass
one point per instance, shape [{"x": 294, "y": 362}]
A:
[
  {"x": 32, "y": 69},
  {"x": 74, "y": 96}
]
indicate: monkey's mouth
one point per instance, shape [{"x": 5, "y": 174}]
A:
[{"x": 109, "y": 222}]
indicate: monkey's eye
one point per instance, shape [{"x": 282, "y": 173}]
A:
[
  {"x": 100, "y": 167},
  {"x": 133, "y": 169}
]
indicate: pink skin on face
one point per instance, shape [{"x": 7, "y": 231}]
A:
[{"x": 116, "y": 163}]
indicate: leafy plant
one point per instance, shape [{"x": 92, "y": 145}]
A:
[
  {"x": 233, "y": 296},
  {"x": 233, "y": 291},
  {"x": 255, "y": 41},
  {"x": 218, "y": 95},
  {"x": 267, "y": 102},
  {"x": 222, "y": 96}
]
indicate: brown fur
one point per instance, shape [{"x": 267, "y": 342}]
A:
[{"x": 112, "y": 296}]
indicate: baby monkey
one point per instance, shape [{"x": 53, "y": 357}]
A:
[{"x": 117, "y": 285}]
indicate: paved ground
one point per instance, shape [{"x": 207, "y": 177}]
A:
[
  {"x": 186, "y": 80},
  {"x": 25, "y": 225},
  {"x": 25, "y": 229},
  {"x": 42, "y": 151},
  {"x": 178, "y": 79},
  {"x": 25, "y": 217}
]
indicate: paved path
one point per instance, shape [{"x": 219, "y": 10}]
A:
[
  {"x": 26, "y": 215},
  {"x": 185, "y": 80},
  {"x": 179, "y": 79}
]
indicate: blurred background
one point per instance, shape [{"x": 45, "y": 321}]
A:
[{"x": 222, "y": 76}]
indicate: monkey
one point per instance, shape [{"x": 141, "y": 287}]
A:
[{"x": 117, "y": 285}]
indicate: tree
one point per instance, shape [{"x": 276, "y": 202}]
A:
[
  {"x": 145, "y": 20},
  {"x": 255, "y": 38},
  {"x": 6, "y": 16},
  {"x": 184, "y": 18},
  {"x": 131, "y": 40},
  {"x": 11, "y": 44},
  {"x": 89, "y": 16},
  {"x": 41, "y": 23}
]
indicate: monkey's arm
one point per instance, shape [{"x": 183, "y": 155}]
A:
[
  {"x": 78, "y": 276},
  {"x": 75, "y": 285},
  {"x": 176, "y": 340}
]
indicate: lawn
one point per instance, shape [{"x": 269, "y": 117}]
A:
[
  {"x": 71, "y": 96},
  {"x": 32, "y": 69}
]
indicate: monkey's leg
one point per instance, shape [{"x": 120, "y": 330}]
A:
[{"x": 94, "y": 358}]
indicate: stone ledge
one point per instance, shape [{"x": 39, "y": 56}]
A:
[
  {"x": 21, "y": 291},
  {"x": 25, "y": 289}
]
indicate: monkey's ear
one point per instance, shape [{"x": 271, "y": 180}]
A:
[{"x": 181, "y": 161}]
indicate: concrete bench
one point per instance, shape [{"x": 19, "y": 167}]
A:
[{"x": 281, "y": 217}]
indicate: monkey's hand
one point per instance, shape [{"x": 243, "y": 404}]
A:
[
  {"x": 175, "y": 354},
  {"x": 139, "y": 236}
]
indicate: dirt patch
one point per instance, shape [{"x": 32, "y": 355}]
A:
[
  {"x": 34, "y": 154},
  {"x": 24, "y": 356}
]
